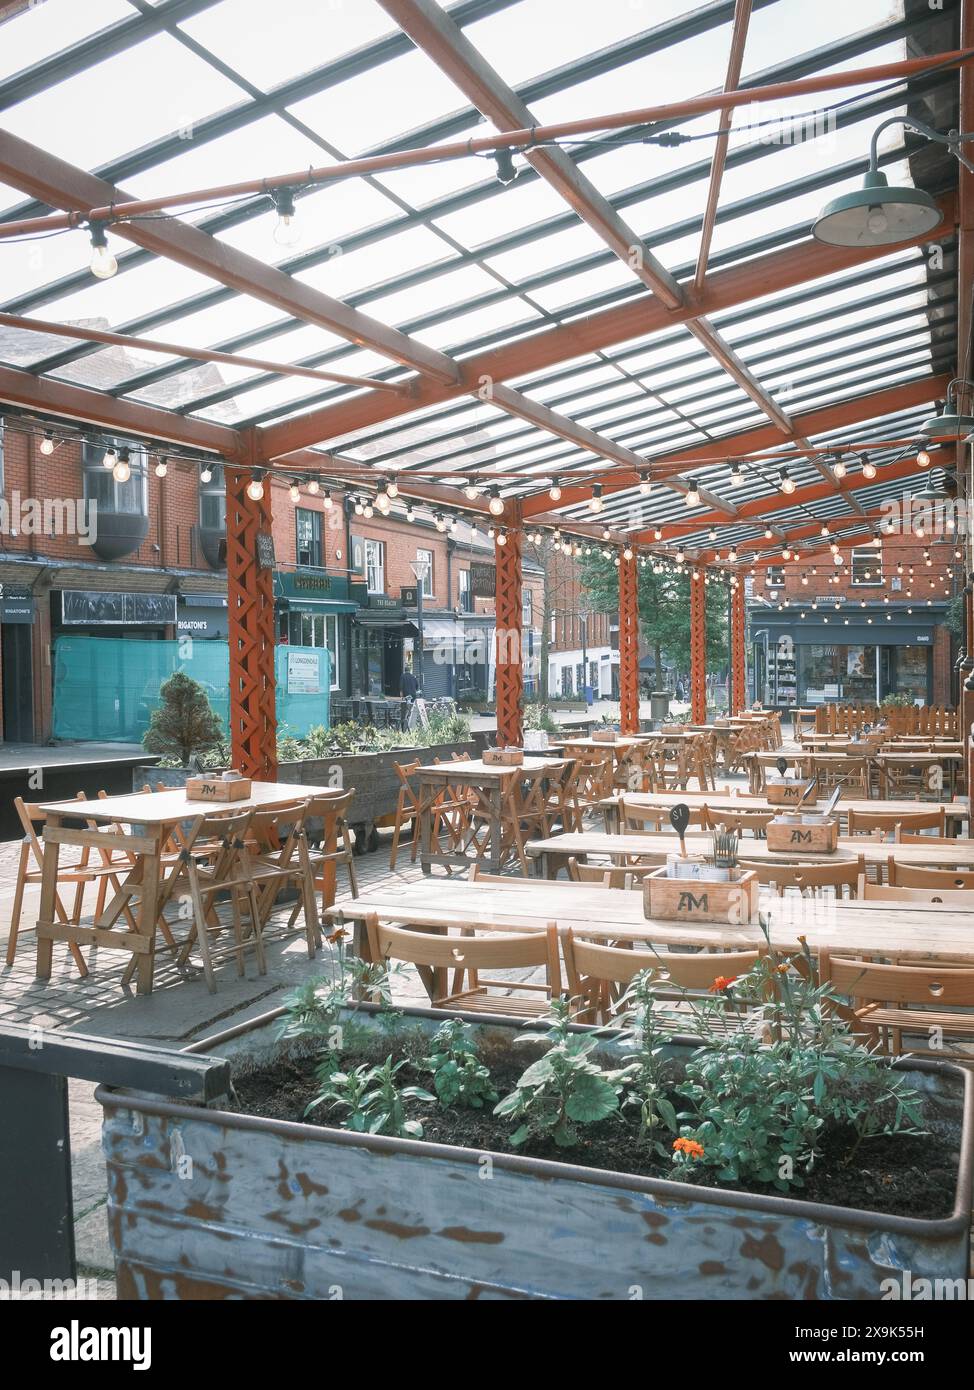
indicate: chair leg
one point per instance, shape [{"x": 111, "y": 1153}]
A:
[
  {"x": 350, "y": 864},
  {"x": 18, "y": 902}
]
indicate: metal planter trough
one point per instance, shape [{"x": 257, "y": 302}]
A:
[{"x": 204, "y": 1203}]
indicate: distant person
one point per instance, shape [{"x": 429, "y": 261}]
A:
[
  {"x": 679, "y": 691},
  {"x": 409, "y": 685}
]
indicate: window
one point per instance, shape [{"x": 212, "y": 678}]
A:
[
  {"x": 427, "y": 555},
  {"x": 308, "y": 531},
  {"x": 554, "y": 621},
  {"x": 464, "y": 595},
  {"x": 213, "y": 502},
  {"x": 526, "y": 611},
  {"x": 128, "y": 498},
  {"x": 315, "y": 630},
  {"x": 866, "y": 566},
  {"x": 368, "y": 559},
  {"x": 775, "y": 576}
]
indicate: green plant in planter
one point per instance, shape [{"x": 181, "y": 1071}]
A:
[
  {"x": 375, "y": 1103},
  {"x": 564, "y": 1088},
  {"x": 896, "y": 701},
  {"x": 459, "y": 1076},
  {"x": 539, "y": 717},
  {"x": 758, "y": 1099},
  {"x": 183, "y": 725}
]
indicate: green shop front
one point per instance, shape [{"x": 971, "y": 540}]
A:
[{"x": 315, "y": 608}]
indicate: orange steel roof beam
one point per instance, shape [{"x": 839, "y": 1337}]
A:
[
  {"x": 124, "y": 206},
  {"x": 54, "y": 181},
  {"x": 231, "y": 359},
  {"x": 742, "y": 20},
  {"x": 637, "y": 318}
]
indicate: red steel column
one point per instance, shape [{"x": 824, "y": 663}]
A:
[
  {"x": 250, "y": 612},
  {"x": 508, "y": 668},
  {"x": 628, "y": 645},
  {"x": 738, "y": 622},
  {"x": 698, "y": 648}
]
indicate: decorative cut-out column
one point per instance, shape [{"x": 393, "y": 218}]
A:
[
  {"x": 250, "y": 613},
  {"x": 738, "y": 623},
  {"x": 628, "y": 645},
  {"x": 508, "y": 636},
  {"x": 698, "y": 648}
]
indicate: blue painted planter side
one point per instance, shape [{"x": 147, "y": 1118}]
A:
[{"x": 207, "y": 1204}]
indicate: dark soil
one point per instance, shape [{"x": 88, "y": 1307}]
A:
[{"x": 902, "y": 1175}]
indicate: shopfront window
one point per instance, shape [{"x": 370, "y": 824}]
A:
[
  {"x": 316, "y": 630},
  {"x": 308, "y": 527},
  {"x": 831, "y": 673},
  {"x": 910, "y": 673}
]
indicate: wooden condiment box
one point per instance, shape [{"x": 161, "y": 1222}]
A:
[
  {"x": 787, "y": 794},
  {"x": 792, "y": 837},
  {"x": 503, "y": 757},
  {"x": 216, "y": 789},
  {"x": 701, "y": 899},
  {"x": 604, "y": 736}
]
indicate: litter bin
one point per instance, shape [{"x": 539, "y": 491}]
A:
[
  {"x": 589, "y": 696},
  {"x": 659, "y": 706}
]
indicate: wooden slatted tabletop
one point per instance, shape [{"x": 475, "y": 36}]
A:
[
  {"x": 958, "y": 854},
  {"x": 883, "y": 929},
  {"x": 956, "y": 810}
]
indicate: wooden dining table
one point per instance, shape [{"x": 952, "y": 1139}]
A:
[
  {"x": 500, "y": 802},
  {"x": 956, "y": 811},
  {"x": 928, "y": 932},
  {"x": 549, "y": 856},
  {"x": 153, "y": 816}
]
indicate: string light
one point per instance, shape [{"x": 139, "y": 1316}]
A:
[
  {"x": 313, "y": 486},
  {"x": 255, "y": 488},
  {"x": 868, "y": 467},
  {"x": 692, "y": 498},
  {"x": 554, "y": 492},
  {"x": 496, "y": 504},
  {"x": 206, "y": 474},
  {"x": 103, "y": 264},
  {"x": 839, "y": 468},
  {"x": 294, "y": 490},
  {"x": 122, "y": 470},
  {"x": 470, "y": 490},
  {"x": 287, "y": 232},
  {"x": 737, "y": 474},
  {"x": 47, "y": 444},
  {"x": 595, "y": 501},
  {"x": 786, "y": 481},
  {"x": 110, "y": 457},
  {"x": 162, "y": 467},
  {"x": 645, "y": 487}
]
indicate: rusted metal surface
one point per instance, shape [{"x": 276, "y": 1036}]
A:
[{"x": 207, "y": 1204}]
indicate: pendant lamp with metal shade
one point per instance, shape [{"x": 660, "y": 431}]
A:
[
  {"x": 952, "y": 420},
  {"x": 880, "y": 215}
]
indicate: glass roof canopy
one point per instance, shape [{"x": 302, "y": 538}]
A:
[{"x": 466, "y": 265}]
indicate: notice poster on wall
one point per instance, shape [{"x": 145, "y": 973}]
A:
[
  {"x": 856, "y": 661},
  {"x": 302, "y": 673}
]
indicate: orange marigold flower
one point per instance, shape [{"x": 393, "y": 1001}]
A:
[
  {"x": 722, "y": 982},
  {"x": 339, "y": 934},
  {"x": 783, "y": 968},
  {"x": 690, "y": 1147}
]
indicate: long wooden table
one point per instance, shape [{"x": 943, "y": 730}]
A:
[
  {"x": 156, "y": 814},
  {"x": 930, "y": 932},
  {"x": 552, "y": 854},
  {"x": 500, "y": 801},
  {"x": 956, "y": 810}
]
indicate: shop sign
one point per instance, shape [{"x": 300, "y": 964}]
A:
[
  {"x": 303, "y": 673},
  {"x": 483, "y": 581},
  {"x": 16, "y": 605}
]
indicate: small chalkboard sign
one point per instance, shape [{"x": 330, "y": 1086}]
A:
[{"x": 265, "y": 550}]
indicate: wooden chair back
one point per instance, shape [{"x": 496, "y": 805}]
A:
[
  {"x": 811, "y": 878},
  {"x": 894, "y": 822},
  {"x": 886, "y": 893},
  {"x": 922, "y": 985},
  {"x": 604, "y": 875},
  {"x": 740, "y": 821},
  {"x": 591, "y": 968},
  {"x": 917, "y": 876}
]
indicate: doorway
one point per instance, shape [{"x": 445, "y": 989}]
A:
[{"x": 18, "y": 683}]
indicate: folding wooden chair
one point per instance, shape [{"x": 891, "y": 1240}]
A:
[
  {"x": 889, "y": 1002},
  {"x": 206, "y": 876},
  {"x": 893, "y": 822},
  {"x": 332, "y": 810},
  {"x": 281, "y": 858},
  {"x": 467, "y": 955},
  {"x": 815, "y": 879},
  {"x": 597, "y": 974}
]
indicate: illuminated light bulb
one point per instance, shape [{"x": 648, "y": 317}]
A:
[
  {"x": 383, "y": 503},
  {"x": 368, "y": 510},
  {"x": 122, "y": 470},
  {"x": 658, "y": 534},
  {"x": 595, "y": 501},
  {"x": 392, "y": 490},
  {"x": 692, "y": 497},
  {"x": 326, "y": 501},
  {"x": 359, "y": 507},
  {"x": 255, "y": 488},
  {"x": 162, "y": 468},
  {"x": 47, "y": 444},
  {"x": 645, "y": 486},
  {"x": 103, "y": 264},
  {"x": 496, "y": 504},
  {"x": 877, "y": 540},
  {"x": 471, "y": 491},
  {"x": 294, "y": 491},
  {"x": 410, "y": 514},
  {"x": 786, "y": 554},
  {"x": 627, "y": 553},
  {"x": 923, "y": 459},
  {"x": 768, "y": 533},
  {"x": 737, "y": 475},
  {"x": 877, "y": 221},
  {"x": 287, "y": 232},
  {"x": 839, "y": 468},
  {"x": 440, "y": 522},
  {"x": 206, "y": 474},
  {"x": 868, "y": 468},
  {"x": 502, "y": 538},
  {"x": 787, "y": 482},
  {"x": 313, "y": 486},
  {"x": 554, "y": 492},
  {"x": 732, "y": 554},
  {"x": 108, "y": 461}
]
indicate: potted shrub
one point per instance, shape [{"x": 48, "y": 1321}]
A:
[
  {"x": 372, "y": 1153},
  {"x": 184, "y": 732}
]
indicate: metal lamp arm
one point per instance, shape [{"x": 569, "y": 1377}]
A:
[{"x": 952, "y": 140}]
